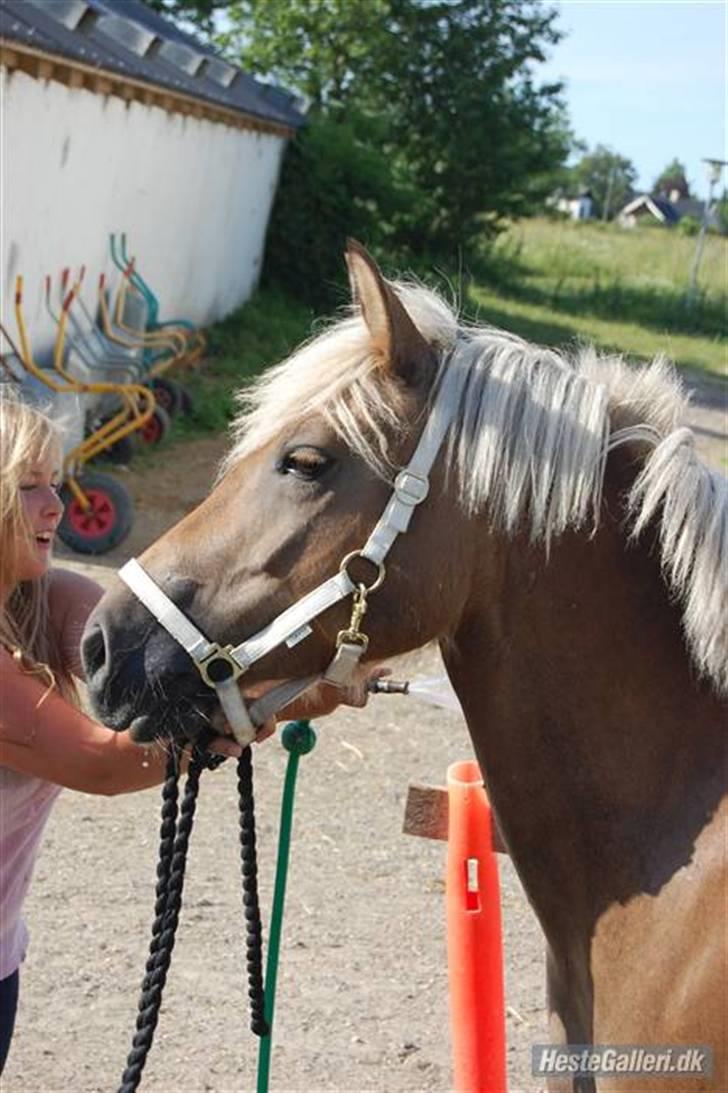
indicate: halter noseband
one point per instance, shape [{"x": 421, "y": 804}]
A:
[{"x": 222, "y": 666}]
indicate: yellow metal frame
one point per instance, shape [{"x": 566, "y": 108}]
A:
[
  {"x": 194, "y": 340},
  {"x": 171, "y": 336},
  {"x": 176, "y": 346},
  {"x": 138, "y": 402}
]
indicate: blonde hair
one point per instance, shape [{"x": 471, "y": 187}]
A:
[{"x": 27, "y": 435}]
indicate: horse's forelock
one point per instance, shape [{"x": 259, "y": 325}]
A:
[{"x": 337, "y": 374}]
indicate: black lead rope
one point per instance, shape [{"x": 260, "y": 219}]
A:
[
  {"x": 251, "y": 906},
  {"x": 175, "y": 830}
]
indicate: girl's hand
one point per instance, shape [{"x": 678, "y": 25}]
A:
[
  {"x": 316, "y": 702},
  {"x": 325, "y": 698},
  {"x": 225, "y": 745}
]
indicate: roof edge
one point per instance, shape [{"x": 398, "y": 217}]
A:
[{"x": 62, "y": 68}]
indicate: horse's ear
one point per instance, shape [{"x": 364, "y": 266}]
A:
[{"x": 396, "y": 339}]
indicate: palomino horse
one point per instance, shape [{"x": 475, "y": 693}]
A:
[{"x": 569, "y": 560}]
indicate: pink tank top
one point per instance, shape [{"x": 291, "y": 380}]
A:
[{"x": 25, "y": 804}]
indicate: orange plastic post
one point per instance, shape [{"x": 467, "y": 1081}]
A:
[{"x": 474, "y": 939}]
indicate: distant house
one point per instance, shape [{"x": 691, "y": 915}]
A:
[
  {"x": 646, "y": 206},
  {"x": 692, "y": 206},
  {"x": 666, "y": 210},
  {"x": 580, "y": 207}
]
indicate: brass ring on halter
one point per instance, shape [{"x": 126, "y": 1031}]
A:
[{"x": 380, "y": 567}]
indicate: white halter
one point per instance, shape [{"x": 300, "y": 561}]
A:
[{"x": 221, "y": 667}]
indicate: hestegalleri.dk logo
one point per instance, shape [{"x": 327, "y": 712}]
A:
[{"x": 603, "y": 1060}]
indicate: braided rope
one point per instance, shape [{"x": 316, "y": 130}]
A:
[
  {"x": 167, "y": 833},
  {"x": 251, "y": 906},
  {"x": 174, "y": 835},
  {"x": 171, "y": 873}
]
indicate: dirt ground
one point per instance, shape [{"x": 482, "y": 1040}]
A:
[{"x": 362, "y": 991}]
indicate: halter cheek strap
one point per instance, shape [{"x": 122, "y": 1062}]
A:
[{"x": 222, "y": 666}]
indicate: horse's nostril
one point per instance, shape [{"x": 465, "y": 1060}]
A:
[{"x": 93, "y": 651}]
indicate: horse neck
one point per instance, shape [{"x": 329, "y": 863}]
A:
[{"x": 603, "y": 755}]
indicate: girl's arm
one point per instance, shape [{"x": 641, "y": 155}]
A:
[{"x": 42, "y": 735}]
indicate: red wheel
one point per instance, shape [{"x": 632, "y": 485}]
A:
[
  {"x": 168, "y": 394},
  {"x": 102, "y": 525},
  {"x": 156, "y": 428}
]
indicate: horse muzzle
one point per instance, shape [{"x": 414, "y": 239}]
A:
[{"x": 146, "y": 684}]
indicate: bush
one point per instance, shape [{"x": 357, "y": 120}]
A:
[
  {"x": 688, "y": 225},
  {"x": 334, "y": 184}
]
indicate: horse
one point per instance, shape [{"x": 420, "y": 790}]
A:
[{"x": 566, "y": 549}]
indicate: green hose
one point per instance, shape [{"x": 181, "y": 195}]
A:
[{"x": 298, "y": 738}]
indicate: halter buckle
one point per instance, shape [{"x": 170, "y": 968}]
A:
[
  {"x": 411, "y": 488},
  {"x": 219, "y": 658}
]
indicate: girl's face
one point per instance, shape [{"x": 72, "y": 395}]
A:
[{"x": 43, "y": 509}]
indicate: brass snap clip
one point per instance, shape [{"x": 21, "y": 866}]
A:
[{"x": 353, "y": 635}]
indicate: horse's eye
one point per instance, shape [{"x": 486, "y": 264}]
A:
[{"x": 305, "y": 462}]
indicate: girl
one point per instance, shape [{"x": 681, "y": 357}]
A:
[{"x": 46, "y": 741}]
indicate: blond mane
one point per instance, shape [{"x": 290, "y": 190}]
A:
[{"x": 532, "y": 431}]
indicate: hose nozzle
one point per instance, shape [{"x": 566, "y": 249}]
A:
[{"x": 388, "y": 686}]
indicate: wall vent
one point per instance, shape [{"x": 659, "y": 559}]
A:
[
  {"x": 219, "y": 72},
  {"x": 179, "y": 55},
  {"x": 68, "y": 13},
  {"x": 277, "y": 96},
  {"x": 130, "y": 35}
]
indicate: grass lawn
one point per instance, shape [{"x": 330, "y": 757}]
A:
[
  {"x": 549, "y": 326},
  {"x": 557, "y": 282}
]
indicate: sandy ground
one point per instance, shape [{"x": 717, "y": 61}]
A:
[{"x": 362, "y": 994}]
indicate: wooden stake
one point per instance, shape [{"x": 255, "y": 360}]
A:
[{"x": 426, "y": 815}]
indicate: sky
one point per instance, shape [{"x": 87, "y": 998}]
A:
[{"x": 648, "y": 78}]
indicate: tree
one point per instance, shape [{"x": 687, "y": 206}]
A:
[
  {"x": 319, "y": 48},
  {"x": 200, "y": 14},
  {"x": 671, "y": 178},
  {"x": 608, "y": 177},
  {"x": 460, "y": 116},
  {"x": 479, "y": 135}
]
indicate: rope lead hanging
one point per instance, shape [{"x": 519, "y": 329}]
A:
[
  {"x": 175, "y": 831},
  {"x": 251, "y": 906},
  {"x": 298, "y": 738},
  {"x": 174, "y": 841}
]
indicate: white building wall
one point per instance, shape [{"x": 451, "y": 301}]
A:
[
  {"x": 193, "y": 197},
  {"x": 578, "y": 208}
]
